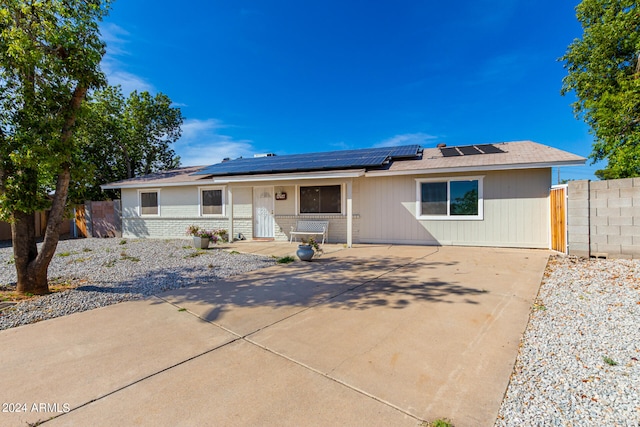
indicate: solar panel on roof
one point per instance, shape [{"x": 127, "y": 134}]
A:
[
  {"x": 469, "y": 150},
  {"x": 368, "y": 157},
  {"x": 405, "y": 151},
  {"x": 489, "y": 149},
  {"x": 449, "y": 152}
]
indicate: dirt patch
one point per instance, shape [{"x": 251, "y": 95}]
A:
[{"x": 9, "y": 294}]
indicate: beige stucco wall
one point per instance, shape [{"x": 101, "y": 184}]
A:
[{"x": 516, "y": 212}]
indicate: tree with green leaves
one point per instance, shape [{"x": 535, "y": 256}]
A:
[
  {"x": 50, "y": 53},
  {"x": 124, "y": 138},
  {"x": 604, "y": 72}
]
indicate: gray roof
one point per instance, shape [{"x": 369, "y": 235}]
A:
[
  {"x": 514, "y": 155},
  {"x": 173, "y": 176}
]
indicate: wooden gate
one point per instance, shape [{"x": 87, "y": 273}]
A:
[
  {"x": 558, "y": 199},
  {"x": 81, "y": 221}
]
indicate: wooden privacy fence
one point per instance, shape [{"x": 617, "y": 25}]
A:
[
  {"x": 98, "y": 219},
  {"x": 39, "y": 223},
  {"x": 105, "y": 218},
  {"x": 558, "y": 199},
  {"x": 80, "y": 221}
]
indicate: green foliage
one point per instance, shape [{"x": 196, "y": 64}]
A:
[
  {"x": 609, "y": 361},
  {"x": 285, "y": 259},
  {"x": 110, "y": 263},
  {"x": 49, "y": 57},
  {"x": 440, "y": 422},
  {"x": 603, "y": 71},
  {"x": 196, "y": 253},
  {"x": 125, "y": 257},
  {"x": 124, "y": 138},
  {"x": 465, "y": 205},
  {"x": 311, "y": 241},
  {"x": 539, "y": 306}
]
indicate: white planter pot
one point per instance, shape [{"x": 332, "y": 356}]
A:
[{"x": 201, "y": 242}]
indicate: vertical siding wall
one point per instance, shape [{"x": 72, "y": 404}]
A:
[
  {"x": 516, "y": 212},
  {"x": 604, "y": 218}
]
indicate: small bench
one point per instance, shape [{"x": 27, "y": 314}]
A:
[{"x": 309, "y": 228}]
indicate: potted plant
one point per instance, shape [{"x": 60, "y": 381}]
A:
[
  {"x": 220, "y": 235},
  {"x": 201, "y": 237},
  {"x": 306, "y": 250}
]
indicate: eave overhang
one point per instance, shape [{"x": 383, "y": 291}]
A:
[{"x": 477, "y": 168}]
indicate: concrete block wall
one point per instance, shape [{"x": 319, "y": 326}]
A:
[{"x": 604, "y": 218}]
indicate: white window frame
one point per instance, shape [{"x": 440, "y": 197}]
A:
[
  {"x": 148, "y": 190},
  {"x": 342, "y": 200},
  {"x": 222, "y": 188},
  {"x": 448, "y": 216}
]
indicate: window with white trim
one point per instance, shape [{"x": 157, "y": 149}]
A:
[
  {"x": 149, "y": 202},
  {"x": 212, "y": 201},
  {"x": 325, "y": 199},
  {"x": 453, "y": 198}
]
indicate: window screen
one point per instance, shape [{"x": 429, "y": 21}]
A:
[
  {"x": 434, "y": 198},
  {"x": 212, "y": 202},
  {"x": 320, "y": 199},
  {"x": 149, "y": 203}
]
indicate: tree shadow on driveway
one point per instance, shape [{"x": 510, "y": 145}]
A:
[{"x": 340, "y": 283}]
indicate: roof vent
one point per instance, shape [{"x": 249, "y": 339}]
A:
[
  {"x": 442, "y": 145},
  {"x": 226, "y": 159},
  {"x": 264, "y": 155}
]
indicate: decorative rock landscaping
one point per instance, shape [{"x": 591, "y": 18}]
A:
[
  {"x": 108, "y": 271},
  {"x": 579, "y": 357}
]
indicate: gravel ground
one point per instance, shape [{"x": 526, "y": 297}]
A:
[
  {"x": 108, "y": 272},
  {"x": 578, "y": 361}
]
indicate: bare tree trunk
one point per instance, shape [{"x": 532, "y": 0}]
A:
[
  {"x": 25, "y": 253},
  {"x": 31, "y": 266}
]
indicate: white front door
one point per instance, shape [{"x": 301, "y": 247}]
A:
[{"x": 263, "y": 212}]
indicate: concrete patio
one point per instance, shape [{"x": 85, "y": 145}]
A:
[{"x": 373, "y": 335}]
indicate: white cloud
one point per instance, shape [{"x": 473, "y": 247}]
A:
[
  {"x": 419, "y": 138},
  {"x": 115, "y": 69},
  {"x": 129, "y": 82},
  {"x": 115, "y": 37},
  {"x": 202, "y": 144}
]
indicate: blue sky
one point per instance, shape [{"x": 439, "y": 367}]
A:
[{"x": 290, "y": 77}]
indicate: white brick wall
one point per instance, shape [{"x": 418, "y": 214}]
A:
[{"x": 337, "y": 226}]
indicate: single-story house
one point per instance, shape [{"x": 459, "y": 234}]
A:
[{"x": 474, "y": 195}]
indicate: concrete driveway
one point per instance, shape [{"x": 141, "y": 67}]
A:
[{"x": 374, "y": 335}]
